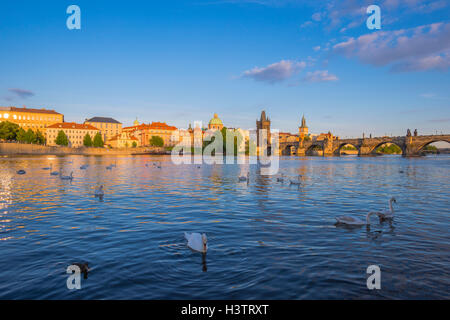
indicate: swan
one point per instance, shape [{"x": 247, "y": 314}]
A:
[
  {"x": 280, "y": 178},
  {"x": 84, "y": 166},
  {"x": 21, "y": 171},
  {"x": 387, "y": 215},
  {"x": 99, "y": 192},
  {"x": 109, "y": 167},
  {"x": 84, "y": 268},
  {"x": 197, "y": 242},
  {"x": 296, "y": 182},
  {"x": 355, "y": 221},
  {"x": 67, "y": 177},
  {"x": 53, "y": 173},
  {"x": 244, "y": 178}
]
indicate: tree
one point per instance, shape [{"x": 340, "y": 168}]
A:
[
  {"x": 87, "y": 140},
  {"x": 8, "y": 130},
  {"x": 134, "y": 145},
  {"x": 30, "y": 137},
  {"x": 98, "y": 141},
  {"x": 21, "y": 135},
  {"x": 156, "y": 141},
  {"x": 61, "y": 139},
  {"x": 40, "y": 139}
]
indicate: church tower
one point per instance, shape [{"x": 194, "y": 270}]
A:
[
  {"x": 263, "y": 123},
  {"x": 302, "y": 131}
]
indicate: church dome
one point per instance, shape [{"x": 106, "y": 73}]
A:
[{"x": 215, "y": 121}]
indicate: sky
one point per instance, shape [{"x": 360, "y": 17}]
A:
[{"x": 182, "y": 61}]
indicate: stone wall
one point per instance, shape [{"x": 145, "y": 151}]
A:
[{"x": 20, "y": 148}]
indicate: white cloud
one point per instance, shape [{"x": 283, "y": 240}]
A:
[
  {"x": 275, "y": 72},
  {"x": 416, "y": 49},
  {"x": 320, "y": 76}
]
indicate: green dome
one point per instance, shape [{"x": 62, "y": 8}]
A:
[{"x": 215, "y": 120}]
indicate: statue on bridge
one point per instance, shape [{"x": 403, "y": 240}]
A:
[
  {"x": 408, "y": 133},
  {"x": 415, "y": 133}
]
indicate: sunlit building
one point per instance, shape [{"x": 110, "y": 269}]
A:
[
  {"x": 108, "y": 127},
  {"x": 215, "y": 123},
  {"x": 123, "y": 140},
  {"x": 75, "y": 133},
  {"x": 28, "y": 118},
  {"x": 144, "y": 132}
]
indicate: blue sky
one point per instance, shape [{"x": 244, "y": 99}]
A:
[{"x": 182, "y": 61}]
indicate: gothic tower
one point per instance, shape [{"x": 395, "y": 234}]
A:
[{"x": 263, "y": 123}]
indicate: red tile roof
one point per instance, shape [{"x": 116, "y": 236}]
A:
[
  {"x": 153, "y": 125},
  {"x": 33, "y": 110},
  {"x": 72, "y": 125}
]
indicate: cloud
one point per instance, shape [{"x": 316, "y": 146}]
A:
[
  {"x": 275, "y": 72},
  {"x": 421, "y": 48},
  {"x": 428, "y": 95},
  {"x": 22, "y": 93},
  {"x": 317, "y": 16},
  {"x": 317, "y": 48},
  {"x": 306, "y": 24},
  {"x": 440, "y": 120},
  {"x": 320, "y": 76}
]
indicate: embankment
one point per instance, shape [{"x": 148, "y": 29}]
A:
[{"x": 34, "y": 149}]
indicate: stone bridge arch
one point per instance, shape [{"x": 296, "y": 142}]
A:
[
  {"x": 340, "y": 145},
  {"x": 312, "y": 146},
  {"x": 422, "y": 145},
  {"x": 379, "y": 144}
]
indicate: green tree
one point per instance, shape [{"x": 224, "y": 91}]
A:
[
  {"x": 87, "y": 140},
  {"x": 8, "y": 130},
  {"x": 30, "y": 136},
  {"x": 61, "y": 139},
  {"x": 98, "y": 141},
  {"x": 21, "y": 135},
  {"x": 134, "y": 145},
  {"x": 40, "y": 139},
  {"x": 156, "y": 141}
]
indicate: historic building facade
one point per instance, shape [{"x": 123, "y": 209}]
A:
[
  {"x": 215, "y": 123},
  {"x": 123, "y": 140},
  {"x": 108, "y": 127},
  {"x": 28, "y": 118},
  {"x": 144, "y": 132},
  {"x": 75, "y": 133}
]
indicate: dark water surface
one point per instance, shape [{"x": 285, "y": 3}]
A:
[{"x": 267, "y": 240}]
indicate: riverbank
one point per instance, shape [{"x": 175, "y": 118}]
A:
[{"x": 34, "y": 149}]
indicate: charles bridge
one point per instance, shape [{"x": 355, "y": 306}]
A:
[{"x": 331, "y": 146}]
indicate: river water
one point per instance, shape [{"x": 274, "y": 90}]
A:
[{"x": 267, "y": 240}]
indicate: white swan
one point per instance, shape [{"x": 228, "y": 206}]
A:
[
  {"x": 298, "y": 181},
  {"x": 197, "y": 242},
  {"x": 99, "y": 192},
  {"x": 245, "y": 178},
  {"x": 387, "y": 215},
  {"x": 53, "y": 173},
  {"x": 66, "y": 177},
  {"x": 355, "y": 221}
]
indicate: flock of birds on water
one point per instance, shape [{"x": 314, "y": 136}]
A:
[{"x": 198, "y": 241}]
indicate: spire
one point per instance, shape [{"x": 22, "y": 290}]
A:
[
  {"x": 303, "y": 122},
  {"x": 263, "y": 115}
]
